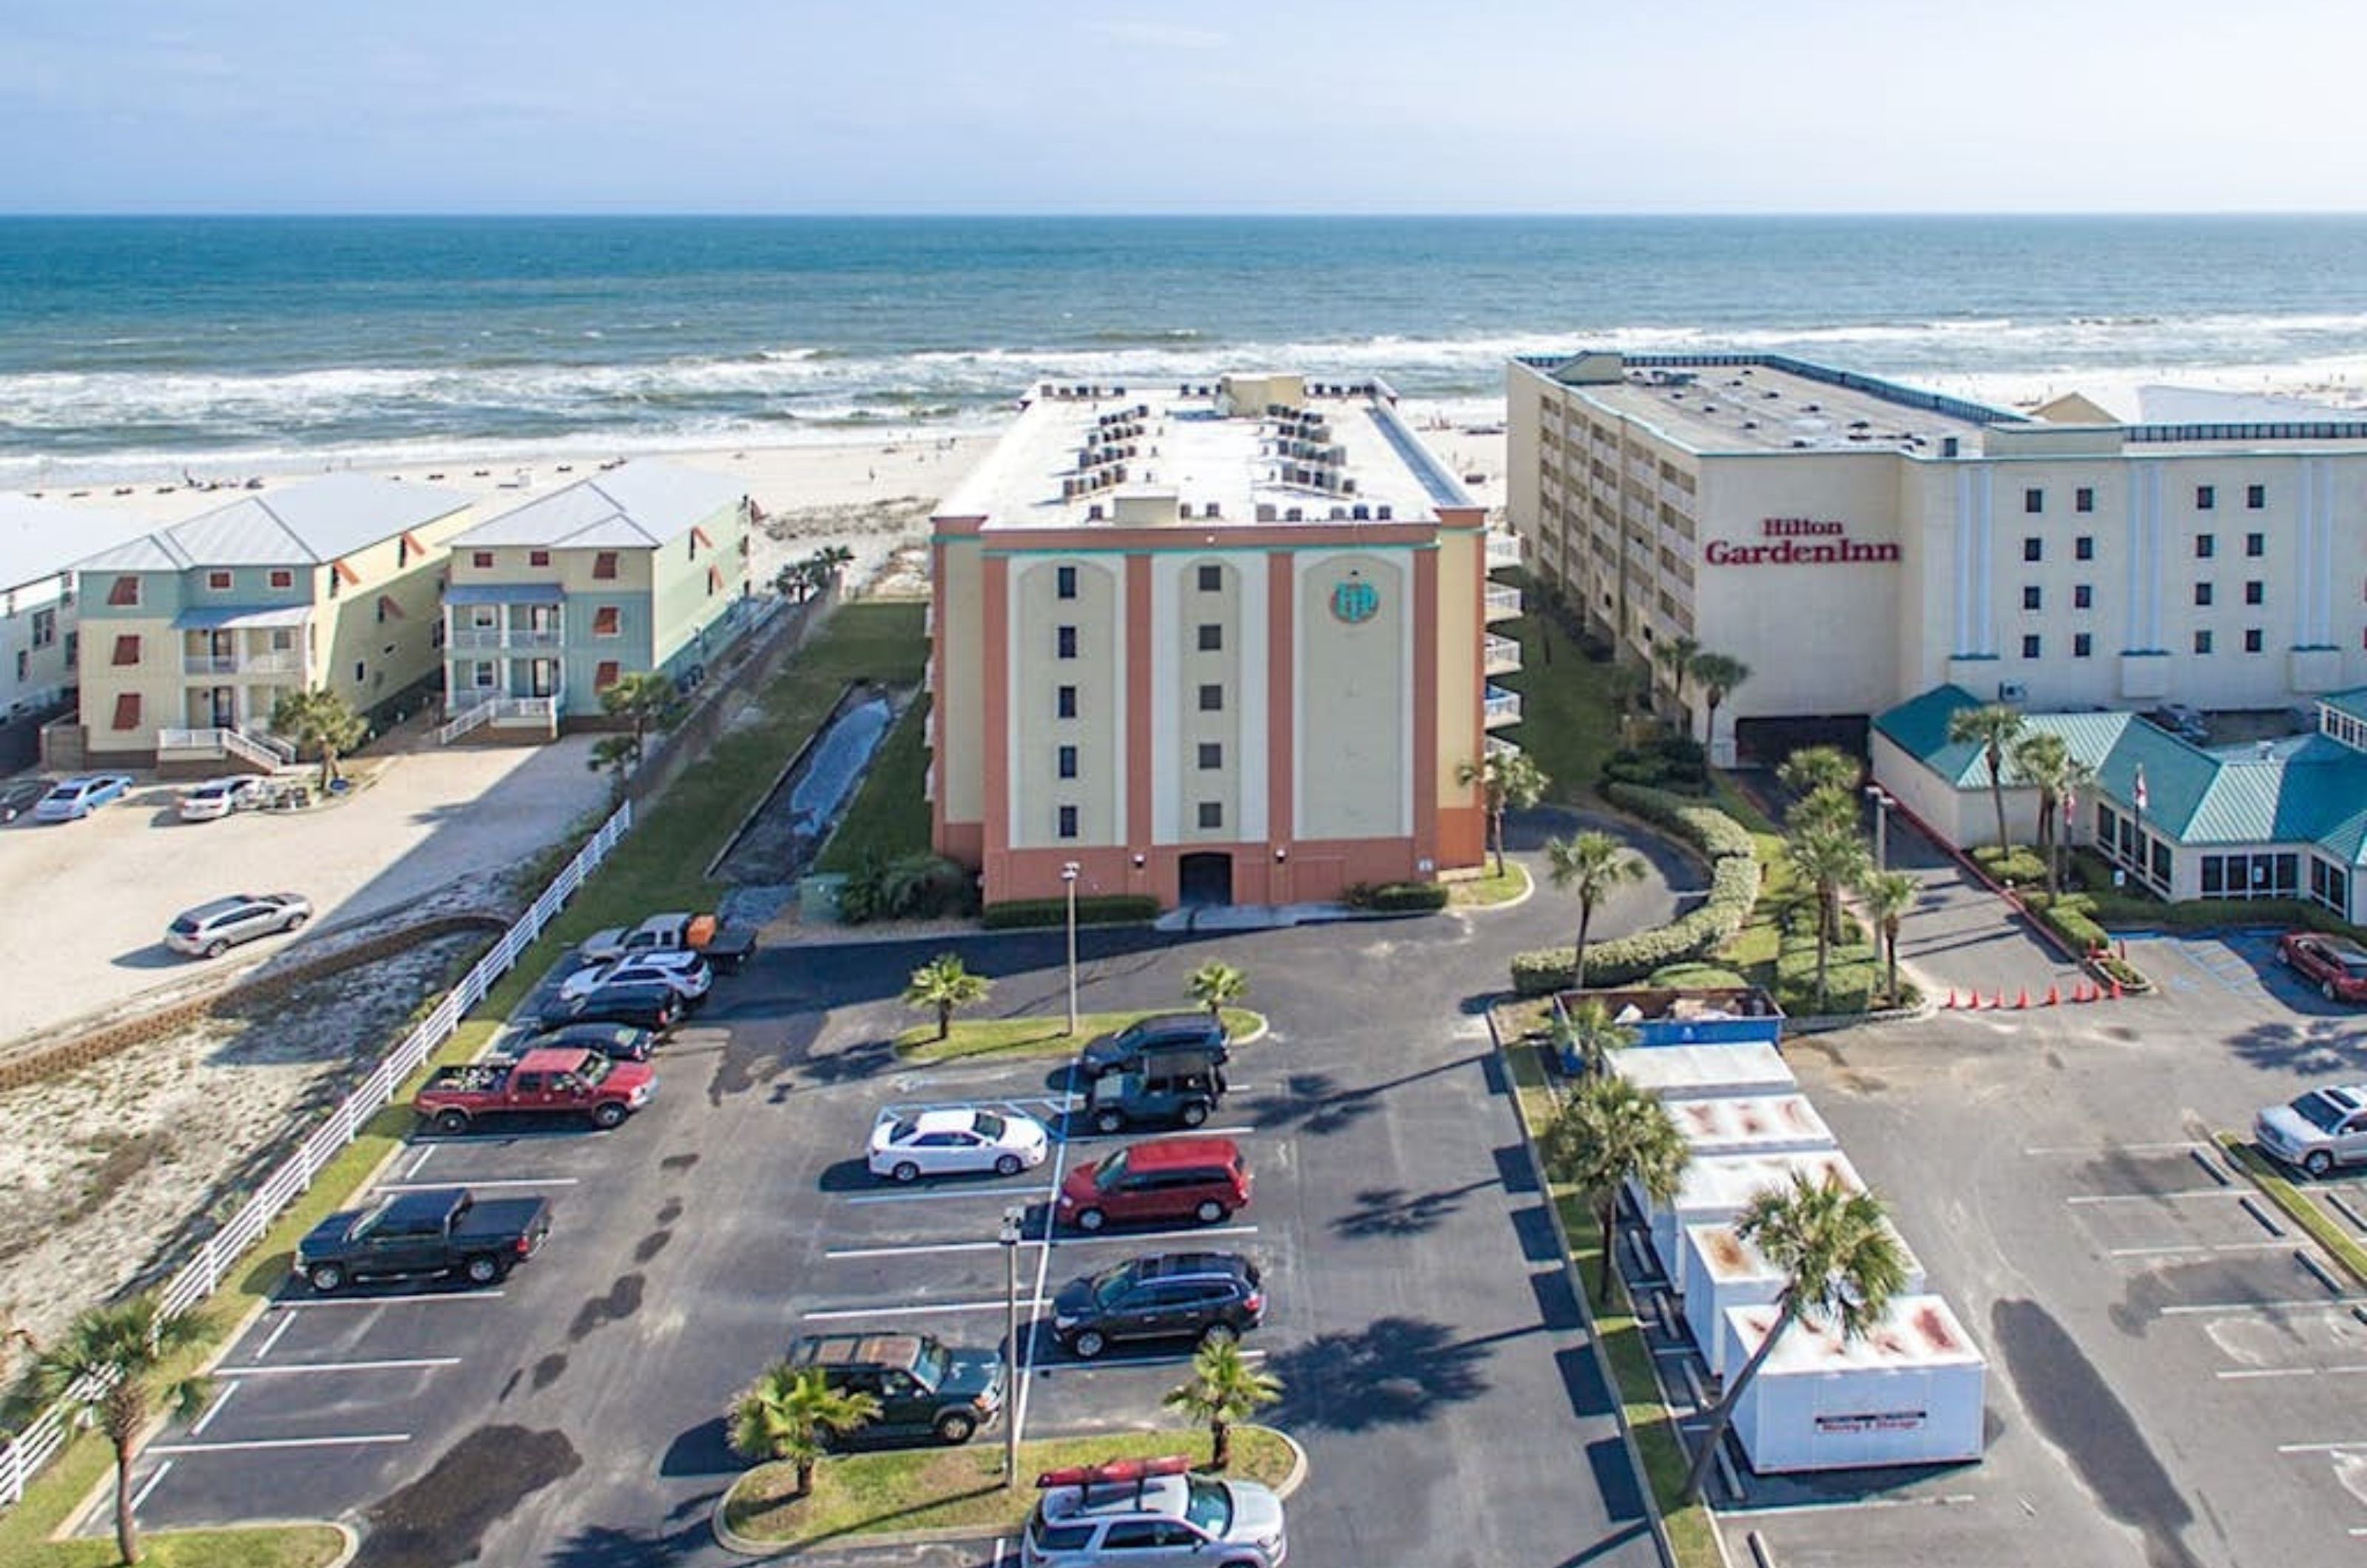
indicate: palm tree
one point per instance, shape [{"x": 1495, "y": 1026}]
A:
[
  {"x": 1889, "y": 894},
  {"x": 1678, "y": 653},
  {"x": 1814, "y": 768},
  {"x": 830, "y": 564},
  {"x": 106, "y": 1367},
  {"x": 319, "y": 720},
  {"x": 1591, "y": 1032},
  {"x": 646, "y": 700},
  {"x": 1825, "y": 807},
  {"x": 2042, "y": 759},
  {"x": 1992, "y": 727},
  {"x": 1591, "y": 866},
  {"x": 1509, "y": 781},
  {"x": 943, "y": 984},
  {"x": 1842, "y": 1263},
  {"x": 615, "y": 754},
  {"x": 791, "y": 1413},
  {"x": 1609, "y": 1133},
  {"x": 1225, "y": 1388},
  {"x": 1215, "y": 984},
  {"x": 1829, "y": 858},
  {"x": 1719, "y": 674},
  {"x": 795, "y": 581}
]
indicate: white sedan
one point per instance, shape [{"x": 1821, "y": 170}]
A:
[
  {"x": 909, "y": 1144},
  {"x": 685, "y": 973},
  {"x": 217, "y": 798}
]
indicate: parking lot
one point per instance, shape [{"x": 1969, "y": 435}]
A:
[{"x": 1418, "y": 1309}]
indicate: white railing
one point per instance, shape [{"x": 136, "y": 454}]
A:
[
  {"x": 1502, "y": 707},
  {"x": 491, "y": 708},
  {"x": 1503, "y": 549},
  {"x": 23, "y": 1455},
  {"x": 1499, "y": 747},
  {"x": 251, "y": 749},
  {"x": 460, "y": 723},
  {"x": 1502, "y": 655},
  {"x": 207, "y": 664},
  {"x": 479, "y": 639},
  {"x": 1502, "y": 601}
]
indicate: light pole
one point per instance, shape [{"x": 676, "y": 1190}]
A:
[
  {"x": 1015, "y": 1223},
  {"x": 1882, "y": 804},
  {"x": 1069, "y": 878}
]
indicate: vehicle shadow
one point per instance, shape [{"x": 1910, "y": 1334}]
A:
[{"x": 155, "y": 955}]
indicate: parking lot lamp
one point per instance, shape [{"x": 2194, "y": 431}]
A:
[
  {"x": 1068, "y": 879},
  {"x": 1882, "y": 804},
  {"x": 1015, "y": 1223}
]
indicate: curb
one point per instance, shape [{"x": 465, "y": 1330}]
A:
[{"x": 1528, "y": 891}]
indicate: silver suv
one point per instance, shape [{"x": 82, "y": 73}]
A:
[
  {"x": 210, "y": 929},
  {"x": 2324, "y": 1128},
  {"x": 1146, "y": 1511}
]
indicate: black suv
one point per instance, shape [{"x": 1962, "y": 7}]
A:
[
  {"x": 1124, "y": 1050},
  {"x": 922, "y": 1386},
  {"x": 1174, "y": 1295},
  {"x": 618, "y": 1042},
  {"x": 1163, "y": 1088},
  {"x": 653, "y": 1006}
]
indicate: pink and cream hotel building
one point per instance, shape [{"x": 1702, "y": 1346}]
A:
[{"x": 1224, "y": 643}]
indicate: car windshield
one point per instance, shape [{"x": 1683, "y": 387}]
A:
[
  {"x": 903, "y": 1131},
  {"x": 1110, "y": 1286},
  {"x": 1111, "y": 1172},
  {"x": 592, "y": 1069},
  {"x": 1209, "y": 1506},
  {"x": 2353, "y": 961},
  {"x": 929, "y": 1366},
  {"x": 2319, "y": 1111},
  {"x": 989, "y": 1126}
]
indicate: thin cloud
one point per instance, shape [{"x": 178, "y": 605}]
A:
[{"x": 1160, "y": 35}]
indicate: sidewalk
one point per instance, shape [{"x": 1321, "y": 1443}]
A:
[{"x": 1961, "y": 936}]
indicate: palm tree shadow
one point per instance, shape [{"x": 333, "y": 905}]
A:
[{"x": 1394, "y": 1371}]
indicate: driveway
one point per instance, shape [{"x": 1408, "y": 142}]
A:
[{"x": 84, "y": 905}]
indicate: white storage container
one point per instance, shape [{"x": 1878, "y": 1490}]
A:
[
  {"x": 1745, "y": 1125},
  {"x": 1699, "y": 1072},
  {"x": 1908, "y": 1393},
  {"x": 1720, "y": 1270},
  {"x": 1720, "y": 1186}
]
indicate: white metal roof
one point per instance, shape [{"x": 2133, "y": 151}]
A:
[
  {"x": 641, "y": 504},
  {"x": 1726, "y": 1183},
  {"x": 1693, "y": 1071},
  {"x": 310, "y": 524},
  {"x": 42, "y": 538},
  {"x": 1727, "y": 1259},
  {"x": 1745, "y": 1123},
  {"x": 1917, "y": 1332}
]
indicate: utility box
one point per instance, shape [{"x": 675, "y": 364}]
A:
[
  {"x": 1705, "y": 1072},
  {"x": 1718, "y": 1272},
  {"x": 1908, "y": 1393},
  {"x": 1721, "y": 1187}
]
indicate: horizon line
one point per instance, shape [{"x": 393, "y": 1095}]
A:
[{"x": 1046, "y": 215}]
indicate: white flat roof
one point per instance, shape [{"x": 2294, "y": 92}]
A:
[
  {"x": 1725, "y": 1184},
  {"x": 1695, "y": 1071},
  {"x": 1763, "y": 408},
  {"x": 1727, "y": 1259},
  {"x": 1746, "y": 1121},
  {"x": 40, "y": 539},
  {"x": 1917, "y": 1332}
]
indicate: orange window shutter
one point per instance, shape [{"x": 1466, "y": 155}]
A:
[
  {"x": 127, "y": 710},
  {"x": 389, "y": 609},
  {"x": 606, "y": 621},
  {"x": 127, "y": 651},
  {"x": 606, "y": 675},
  {"x": 125, "y": 590},
  {"x": 349, "y": 574}
]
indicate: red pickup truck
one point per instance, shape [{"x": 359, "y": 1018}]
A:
[{"x": 547, "y": 1082}]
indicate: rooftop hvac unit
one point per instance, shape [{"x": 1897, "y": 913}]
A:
[
  {"x": 1363, "y": 512},
  {"x": 1265, "y": 512},
  {"x": 1184, "y": 509},
  {"x": 1209, "y": 510},
  {"x": 1384, "y": 514},
  {"x": 1339, "y": 514}
]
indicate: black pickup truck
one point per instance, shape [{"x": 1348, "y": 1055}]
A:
[{"x": 445, "y": 1230}]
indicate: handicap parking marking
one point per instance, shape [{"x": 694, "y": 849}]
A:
[
  {"x": 356, "y": 1439},
  {"x": 940, "y": 1197}
]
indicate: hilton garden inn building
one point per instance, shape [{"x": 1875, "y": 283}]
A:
[{"x": 1861, "y": 545}]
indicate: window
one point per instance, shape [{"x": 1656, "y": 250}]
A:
[
  {"x": 402, "y": 552},
  {"x": 2256, "y": 545},
  {"x": 1064, "y": 581},
  {"x": 2033, "y": 548},
  {"x": 1068, "y": 822},
  {"x": 2033, "y": 501},
  {"x": 604, "y": 566},
  {"x": 2031, "y": 596},
  {"x": 2252, "y": 639},
  {"x": 2083, "y": 499},
  {"x": 2030, "y": 646},
  {"x": 282, "y": 578},
  {"x": 361, "y": 671},
  {"x": 481, "y": 675},
  {"x": 2202, "y": 642},
  {"x": 383, "y": 603},
  {"x": 73, "y": 649},
  {"x": 1067, "y": 762},
  {"x": 217, "y": 583},
  {"x": 1212, "y": 579},
  {"x": 482, "y": 559},
  {"x": 538, "y": 558},
  {"x": 2082, "y": 645},
  {"x": 1212, "y": 813},
  {"x": 2256, "y": 592},
  {"x": 2083, "y": 596},
  {"x": 2255, "y": 497},
  {"x": 24, "y": 665},
  {"x": 1065, "y": 702},
  {"x": 2205, "y": 546},
  {"x": 127, "y": 710},
  {"x": 127, "y": 651},
  {"x": 1064, "y": 642},
  {"x": 2202, "y": 595},
  {"x": 1212, "y": 636},
  {"x": 123, "y": 591},
  {"x": 1212, "y": 754},
  {"x": 1212, "y": 699},
  {"x": 2205, "y": 497},
  {"x": 608, "y": 620},
  {"x": 2084, "y": 547},
  {"x": 606, "y": 675},
  {"x": 45, "y": 627}
]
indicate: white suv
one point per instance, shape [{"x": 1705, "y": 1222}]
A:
[
  {"x": 685, "y": 973},
  {"x": 1149, "y": 1511}
]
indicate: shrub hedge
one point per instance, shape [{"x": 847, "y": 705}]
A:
[
  {"x": 2071, "y": 916},
  {"x": 1101, "y": 909},
  {"x": 1396, "y": 897},
  {"x": 1733, "y": 889},
  {"x": 1672, "y": 762},
  {"x": 2017, "y": 866}
]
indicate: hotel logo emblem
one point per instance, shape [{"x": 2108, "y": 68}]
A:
[{"x": 1355, "y": 601}]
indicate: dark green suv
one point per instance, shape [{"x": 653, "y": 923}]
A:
[{"x": 922, "y": 1387}]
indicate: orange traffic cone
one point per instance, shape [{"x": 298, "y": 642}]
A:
[
  {"x": 2116, "y": 988},
  {"x": 2053, "y": 995},
  {"x": 2079, "y": 992},
  {"x": 2021, "y": 1001},
  {"x": 1952, "y": 1000}
]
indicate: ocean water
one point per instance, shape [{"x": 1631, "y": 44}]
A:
[{"x": 135, "y": 344}]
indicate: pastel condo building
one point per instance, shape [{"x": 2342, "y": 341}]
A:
[{"x": 1226, "y": 642}]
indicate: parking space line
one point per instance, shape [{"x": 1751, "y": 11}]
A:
[
  {"x": 2191, "y": 1248},
  {"x": 2244, "y": 1374},
  {"x": 513, "y": 1181},
  {"x": 391, "y": 1301},
  {"x": 141, "y": 1496},
  {"x": 1842, "y": 1505},
  {"x": 426, "y": 1153},
  {"x": 1139, "y": 1238},
  {"x": 833, "y": 1314},
  {"x": 2354, "y": 1445},
  {"x": 1099, "y": 1362},
  {"x": 919, "y": 1249},
  {"x": 282, "y": 1326},
  {"x": 357, "y": 1440},
  {"x": 403, "y": 1364},
  {"x": 2106, "y": 1149},
  {"x": 2188, "y": 1309},
  {"x": 198, "y": 1427},
  {"x": 1004, "y": 1192},
  {"x": 1085, "y": 1135},
  {"x": 2152, "y": 1197}
]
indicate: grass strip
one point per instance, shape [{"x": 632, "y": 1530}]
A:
[
  {"x": 1479, "y": 892},
  {"x": 268, "y": 1546},
  {"x": 960, "y": 1488},
  {"x": 2286, "y": 1195},
  {"x": 1032, "y": 1036}
]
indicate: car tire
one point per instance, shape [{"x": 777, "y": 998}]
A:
[
  {"x": 906, "y": 1172},
  {"x": 216, "y": 948},
  {"x": 1008, "y": 1165},
  {"x": 2327, "y": 991},
  {"x": 2318, "y": 1162},
  {"x": 481, "y": 1269},
  {"x": 608, "y": 1114},
  {"x": 1091, "y": 1219},
  {"x": 1089, "y": 1344},
  {"x": 452, "y": 1121},
  {"x": 295, "y": 922},
  {"x": 1109, "y": 1120},
  {"x": 326, "y": 1278},
  {"x": 1193, "y": 1114},
  {"x": 1220, "y": 1333},
  {"x": 954, "y": 1426},
  {"x": 1211, "y": 1213}
]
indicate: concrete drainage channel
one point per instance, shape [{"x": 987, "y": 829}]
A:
[{"x": 777, "y": 841}]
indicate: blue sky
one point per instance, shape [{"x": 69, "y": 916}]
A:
[{"x": 1123, "y": 105}]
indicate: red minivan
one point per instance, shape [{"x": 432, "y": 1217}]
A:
[{"x": 1166, "y": 1179}]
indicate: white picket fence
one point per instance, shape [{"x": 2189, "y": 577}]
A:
[{"x": 23, "y": 1454}]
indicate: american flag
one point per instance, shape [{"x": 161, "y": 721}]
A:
[{"x": 2140, "y": 795}]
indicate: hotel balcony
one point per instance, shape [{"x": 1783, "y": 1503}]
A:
[
  {"x": 242, "y": 664},
  {"x": 1503, "y": 549},
  {"x": 1502, "y": 708},
  {"x": 1499, "y": 747},
  {"x": 484, "y": 639},
  {"x": 1503, "y": 602},
  {"x": 1502, "y": 656}
]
